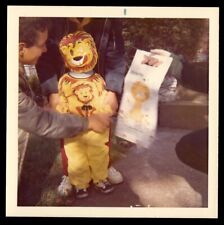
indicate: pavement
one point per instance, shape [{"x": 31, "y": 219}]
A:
[{"x": 152, "y": 178}]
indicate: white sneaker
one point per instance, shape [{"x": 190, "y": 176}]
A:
[
  {"x": 65, "y": 187},
  {"x": 114, "y": 176}
]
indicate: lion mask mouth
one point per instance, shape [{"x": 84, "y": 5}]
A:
[{"x": 78, "y": 60}]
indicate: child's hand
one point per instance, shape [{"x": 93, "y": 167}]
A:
[
  {"x": 54, "y": 100},
  {"x": 99, "y": 122},
  {"x": 111, "y": 100}
]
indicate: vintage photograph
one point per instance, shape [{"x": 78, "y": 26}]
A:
[{"x": 116, "y": 114}]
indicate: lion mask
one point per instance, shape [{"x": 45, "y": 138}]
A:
[{"x": 79, "y": 51}]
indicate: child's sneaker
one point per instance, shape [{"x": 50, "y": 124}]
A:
[
  {"x": 114, "y": 176},
  {"x": 81, "y": 193},
  {"x": 65, "y": 188},
  {"x": 104, "y": 187}
]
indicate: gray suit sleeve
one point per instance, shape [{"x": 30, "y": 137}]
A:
[{"x": 35, "y": 119}]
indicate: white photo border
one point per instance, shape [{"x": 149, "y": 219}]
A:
[{"x": 13, "y": 14}]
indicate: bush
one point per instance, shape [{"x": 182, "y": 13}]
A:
[{"x": 181, "y": 36}]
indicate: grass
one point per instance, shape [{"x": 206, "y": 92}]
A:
[{"x": 39, "y": 159}]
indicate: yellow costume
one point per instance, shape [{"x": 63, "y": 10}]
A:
[{"x": 82, "y": 92}]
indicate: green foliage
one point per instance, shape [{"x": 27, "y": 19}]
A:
[
  {"x": 39, "y": 158},
  {"x": 180, "y": 36}
]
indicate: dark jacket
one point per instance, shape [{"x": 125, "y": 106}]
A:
[
  {"x": 107, "y": 34},
  {"x": 192, "y": 75}
]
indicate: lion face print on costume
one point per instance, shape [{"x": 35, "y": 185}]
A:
[
  {"x": 79, "y": 51},
  {"x": 84, "y": 93},
  {"x": 140, "y": 92}
]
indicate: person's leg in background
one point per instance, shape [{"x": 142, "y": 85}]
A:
[
  {"x": 192, "y": 149},
  {"x": 195, "y": 76}
]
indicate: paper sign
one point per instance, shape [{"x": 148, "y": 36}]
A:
[{"x": 138, "y": 113}]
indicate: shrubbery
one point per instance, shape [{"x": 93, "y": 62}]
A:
[{"x": 181, "y": 36}]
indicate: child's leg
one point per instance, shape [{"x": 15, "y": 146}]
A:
[
  {"x": 78, "y": 165},
  {"x": 64, "y": 158},
  {"x": 98, "y": 155}
]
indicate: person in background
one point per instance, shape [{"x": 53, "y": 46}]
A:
[
  {"x": 107, "y": 34},
  {"x": 33, "y": 34},
  {"x": 192, "y": 149}
]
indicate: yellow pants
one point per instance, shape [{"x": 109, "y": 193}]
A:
[{"x": 88, "y": 158}]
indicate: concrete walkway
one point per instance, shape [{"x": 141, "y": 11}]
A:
[{"x": 152, "y": 178}]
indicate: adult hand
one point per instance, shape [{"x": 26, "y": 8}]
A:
[
  {"x": 99, "y": 122},
  {"x": 153, "y": 61},
  {"x": 160, "y": 52},
  {"x": 111, "y": 100},
  {"x": 150, "y": 60}
]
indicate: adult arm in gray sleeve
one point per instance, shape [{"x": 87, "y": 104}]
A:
[{"x": 35, "y": 119}]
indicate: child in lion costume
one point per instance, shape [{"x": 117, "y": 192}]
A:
[{"x": 82, "y": 92}]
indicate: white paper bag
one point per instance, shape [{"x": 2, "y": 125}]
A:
[{"x": 138, "y": 112}]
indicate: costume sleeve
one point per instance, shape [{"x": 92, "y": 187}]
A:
[
  {"x": 35, "y": 119},
  {"x": 115, "y": 63}
]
